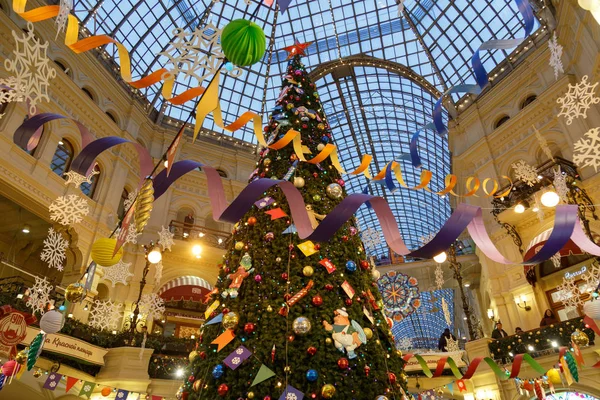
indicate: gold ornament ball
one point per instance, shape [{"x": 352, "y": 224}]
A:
[
  {"x": 378, "y": 341},
  {"x": 74, "y": 292},
  {"x": 328, "y": 391},
  {"x": 250, "y": 395},
  {"x": 299, "y": 182},
  {"x": 270, "y": 309},
  {"x": 308, "y": 270},
  {"x": 267, "y": 162},
  {"x": 37, "y": 373},
  {"x": 328, "y": 341},
  {"x": 334, "y": 191},
  {"x": 320, "y": 146},
  {"x": 440, "y": 391},
  {"x": 368, "y": 333},
  {"x": 554, "y": 376},
  {"x": 21, "y": 357},
  {"x": 197, "y": 385},
  {"x": 239, "y": 246},
  {"x": 193, "y": 355},
  {"x": 230, "y": 320},
  {"x": 580, "y": 338},
  {"x": 399, "y": 353},
  {"x": 317, "y": 197},
  {"x": 301, "y": 326}
]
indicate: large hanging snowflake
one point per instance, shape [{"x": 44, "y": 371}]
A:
[
  {"x": 11, "y": 94},
  {"x": 560, "y": 184},
  {"x": 556, "y": 51},
  {"x": 538, "y": 208},
  {"x": 196, "y": 55},
  {"x": 77, "y": 179},
  {"x": 446, "y": 311},
  {"x": 439, "y": 276},
  {"x": 68, "y": 210},
  {"x": 525, "y": 172},
  {"x": 128, "y": 202},
  {"x": 404, "y": 344},
  {"x": 586, "y": 152},
  {"x": 158, "y": 273},
  {"x": 39, "y": 295},
  {"x": 118, "y": 273},
  {"x": 31, "y": 70},
  {"x": 132, "y": 234},
  {"x": 569, "y": 294},
  {"x": 152, "y": 306},
  {"x": 371, "y": 239},
  {"x": 591, "y": 278},
  {"x": 576, "y": 102},
  {"x": 452, "y": 345},
  {"x": 543, "y": 144},
  {"x": 165, "y": 238},
  {"x": 105, "y": 315},
  {"x": 63, "y": 14},
  {"x": 54, "y": 251}
]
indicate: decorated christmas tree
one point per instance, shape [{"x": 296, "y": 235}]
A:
[{"x": 289, "y": 318}]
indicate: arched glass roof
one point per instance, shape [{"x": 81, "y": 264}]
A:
[{"x": 372, "y": 109}]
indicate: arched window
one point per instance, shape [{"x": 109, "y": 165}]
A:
[
  {"x": 222, "y": 173},
  {"x": 88, "y": 92},
  {"x": 528, "y": 101},
  {"x": 502, "y": 120},
  {"x": 63, "y": 67},
  {"x": 121, "y": 209},
  {"x": 90, "y": 188},
  {"x": 61, "y": 161},
  {"x": 113, "y": 117}
]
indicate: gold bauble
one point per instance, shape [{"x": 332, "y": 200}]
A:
[
  {"x": 334, "y": 191},
  {"x": 193, "y": 355},
  {"x": 440, "y": 391},
  {"x": 399, "y": 353},
  {"x": 102, "y": 252},
  {"x": 554, "y": 376},
  {"x": 239, "y": 246},
  {"x": 328, "y": 341},
  {"x": 299, "y": 182},
  {"x": 250, "y": 395},
  {"x": 368, "y": 333},
  {"x": 37, "y": 373},
  {"x": 269, "y": 308},
  {"x": 267, "y": 162},
  {"x": 328, "y": 391},
  {"x": 197, "y": 385},
  {"x": 74, "y": 292},
  {"x": 21, "y": 357},
  {"x": 308, "y": 270},
  {"x": 230, "y": 320},
  {"x": 580, "y": 338},
  {"x": 143, "y": 205}
]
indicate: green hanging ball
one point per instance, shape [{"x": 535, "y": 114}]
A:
[{"x": 243, "y": 42}]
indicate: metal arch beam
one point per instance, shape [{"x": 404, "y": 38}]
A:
[{"x": 363, "y": 60}]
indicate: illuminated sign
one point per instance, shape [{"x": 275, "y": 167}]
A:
[{"x": 581, "y": 271}]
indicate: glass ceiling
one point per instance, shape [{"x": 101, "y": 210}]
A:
[{"x": 371, "y": 109}]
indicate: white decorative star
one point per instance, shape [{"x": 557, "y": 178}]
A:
[{"x": 578, "y": 99}]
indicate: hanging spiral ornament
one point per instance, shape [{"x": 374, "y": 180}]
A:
[{"x": 143, "y": 205}]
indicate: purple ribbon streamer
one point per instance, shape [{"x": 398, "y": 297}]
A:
[{"x": 28, "y": 134}]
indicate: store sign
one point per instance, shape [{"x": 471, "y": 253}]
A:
[
  {"x": 69, "y": 346},
  {"x": 13, "y": 329},
  {"x": 432, "y": 359},
  {"x": 570, "y": 275}
]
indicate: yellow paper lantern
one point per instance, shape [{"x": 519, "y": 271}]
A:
[
  {"x": 102, "y": 252},
  {"x": 554, "y": 376}
]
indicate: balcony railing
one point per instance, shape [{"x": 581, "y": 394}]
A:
[{"x": 211, "y": 237}]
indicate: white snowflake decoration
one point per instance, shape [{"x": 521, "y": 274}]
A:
[
  {"x": 439, "y": 276},
  {"x": 118, "y": 273},
  {"x": 404, "y": 344},
  {"x": 196, "y": 55},
  {"x": 371, "y": 239},
  {"x": 543, "y": 144},
  {"x": 560, "y": 184},
  {"x": 31, "y": 70},
  {"x": 569, "y": 294},
  {"x": 556, "y": 51},
  {"x": 291, "y": 396},
  {"x": 132, "y": 234},
  {"x": 165, "y": 238},
  {"x": 591, "y": 278},
  {"x": 128, "y": 202},
  {"x": 77, "y": 179},
  {"x": 63, "y": 15},
  {"x": 236, "y": 360},
  {"x": 578, "y": 99},
  {"x": 54, "y": 251},
  {"x": 556, "y": 260},
  {"x": 446, "y": 311},
  {"x": 105, "y": 315},
  {"x": 525, "y": 172},
  {"x": 538, "y": 206},
  {"x": 152, "y": 306},
  {"x": 586, "y": 152},
  {"x": 12, "y": 94},
  {"x": 39, "y": 295},
  {"x": 68, "y": 210},
  {"x": 158, "y": 273},
  {"x": 452, "y": 345}
]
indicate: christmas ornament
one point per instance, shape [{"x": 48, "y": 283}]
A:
[
  {"x": 250, "y": 395},
  {"x": 334, "y": 191},
  {"x": 267, "y": 162},
  {"x": 312, "y": 375},
  {"x": 375, "y": 274},
  {"x": 556, "y": 51},
  {"x": 350, "y": 266},
  {"x": 301, "y": 326},
  {"x": 554, "y": 376},
  {"x": 347, "y": 336},
  {"x": 342, "y": 363},
  {"x": 197, "y": 385},
  {"x": 258, "y": 278},
  {"x": 192, "y": 356},
  {"x": 301, "y": 293},
  {"x": 367, "y": 370},
  {"x": 239, "y": 246},
  {"x": 364, "y": 264},
  {"x": 299, "y": 182},
  {"x": 243, "y": 42},
  {"x": 328, "y": 391},
  {"x": 35, "y": 349},
  {"x": 317, "y": 301},
  {"x": 218, "y": 371},
  {"x": 525, "y": 172},
  {"x": 68, "y": 210},
  {"x": 249, "y": 328},
  {"x": 223, "y": 389},
  {"x": 392, "y": 378},
  {"x": 368, "y": 333},
  {"x": 312, "y": 350},
  {"x": 74, "y": 292},
  {"x": 165, "y": 238},
  {"x": 143, "y": 205},
  {"x": 21, "y": 357},
  {"x": 251, "y": 221},
  {"x": 308, "y": 271},
  {"x": 51, "y": 322},
  {"x": 230, "y": 320},
  {"x": 54, "y": 251},
  {"x": 103, "y": 250},
  {"x": 269, "y": 236},
  {"x": 152, "y": 306},
  {"x": 580, "y": 338},
  {"x": 118, "y": 273},
  {"x": 106, "y": 391},
  {"x": 37, "y": 373},
  {"x": 317, "y": 197},
  {"x": 39, "y": 295}
]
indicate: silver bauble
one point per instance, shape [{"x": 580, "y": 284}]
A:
[
  {"x": 334, "y": 191},
  {"x": 301, "y": 326},
  {"x": 299, "y": 182}
]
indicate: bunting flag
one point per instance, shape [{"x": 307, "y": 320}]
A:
[
  {"x": 263, "y": 374},
  {"x": 450, "y": 387},
  {"x": 577, "y": 354},
  {"x": 461, "y": 385},
  {"x": 211, "y": 308},
  {"x": 87, "y": 389},
  {"x": 224, "y": 339},
  {"x": 237, "y": 357},
  {"x": 122, "y": 236},
  {"x": 276, "y": 213},
  {"x": 157, "y": 397},
  {"x": 70, "y": 383},
  {"x": 291, "y": 392},
  {"x": 52, "y": 381},
  {"x": 307, "y": 248},
  {"x": 264, "y": 202},
  {"x": 283, "y": 5},
  {"x": 291, "y": 229},
  {"x": 122, "y": 394},
  {"x": 565, "y": 371},
  {"x": 215, "y": 320}
]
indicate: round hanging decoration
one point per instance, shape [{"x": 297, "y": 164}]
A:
[
  {"x": 243, "y": 42},
  {"x": 106, "y": 391},
  {"x": 51, "y": 322},
  {"x": 102, "y": 252},
  {"x": 592, "y": 309},
  {"x": 400, "y": 294},
  {"x": 75, "y": 292}
]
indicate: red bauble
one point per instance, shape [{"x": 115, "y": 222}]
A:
[
  {"x": 298, "y": 72},
  {"x": 203, "y": 355},
  {"x": 262, "y": 175},
  {"x": 315, "y": 175},
  {"x": 267, "y": 398},
  {"x": 345, "y": 238},
  {"x": 312, "y": 350},
  {"x": 284, "y": 276},
  {"x": 367, "y": 370},
  {"x": 225, "y": 310},
  {"x": 266, "y": 128},
  {"x": 304, "y": 126},
  {"x": 191, "y": 378},
  {"x": 251, "y": 221},
  {"x": 291, "y": 337},
  {"x": 227, "y": 270},
  {"x": 249, "y": 328},
  {"x": 329, "y": 287},
  {"x": 317, "y": 300},
  {"x": 290, "y": 247},
  {"x": 343, "y": 363},
  {"x": 348, "y": 302},
  {"x": 392, "y": 378},
  {"x": 223, "y": 389},
  {"x": 317, "y": 247},
  {"x": 364, "y": 264}
]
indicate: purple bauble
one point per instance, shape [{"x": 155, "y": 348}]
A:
[
  {"x": 353, "y": 231},
  {"x": 258, "y": 278}
]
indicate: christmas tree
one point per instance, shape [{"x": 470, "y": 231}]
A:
[{"x": 289, "y": 318}]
